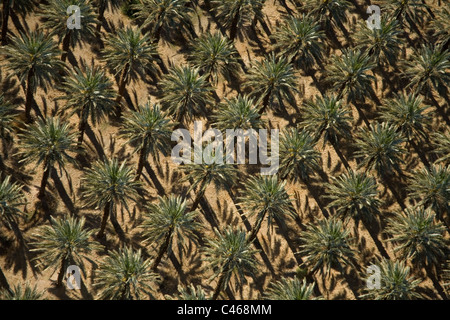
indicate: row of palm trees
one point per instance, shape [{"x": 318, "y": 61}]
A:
[{"x": 188, "y": 92}]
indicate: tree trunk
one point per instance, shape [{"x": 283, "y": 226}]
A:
[
  {"x": 377, "y": 242},
  {"x": 6, "y": 8},
  {"x": 62, "y": 270},
  {"x": 142, "y": 158},
  {"x": 106, "y": 213},
  {"x": 265, "y": 103},
  {"x": 197, "y": 200},
  {"x": 65, "y": 46},
  {"x": 44, "y": 182},
  {"x": 436, "y": 284},
  {"x": 101, "y": 14},
  {"x": 219, "y": 288},
  {"x": 81, "y": 128},
  {"x": 234, "y": 29},
  {"x": 257, "y": 227},
  {"x": 339, "y": 153},
  {"x": 29, "y": 95},
  {"x": 4, "y": 282},
  {"x": 163, "y": 249}
]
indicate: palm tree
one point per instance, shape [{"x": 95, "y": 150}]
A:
[
  {"x": 441, "y": 26},
  {"x": 190, "y": 292},
  {"x": 66, "y": 241},
  {"x": 11, "y": 200},
  {"x": 169, "y": 221},
  {"x": 55, "y": 17},
  {"x": 380, "y": 148},
  {"x": 441, "y": 142},
  {"x": 328, "y": 117},
  {"x": 149, "y": 131},
  {"x": 406, "y": 114},
  {"x": 355, "y": 195},
  {"x": 186, "y": 93},
  {"x": 271, "y": 79},
  {"x": 298, "y": 157},
  {"x": 349, "y": 76},
  {"x": 20, "y": 292},
  {"x": 328, "y": 11},
  {"x": 431, "y": 188},
  {"x": 396, "y": 283},
  {"x": 291, "y": 289},
  {"x": 417, "y": 236},
  {"x": 381, "y": 44},
  {"x": 48, "y": 142},
  {"x": 102, "y": 6},
  {"x": 266, "y": 196},
  {"x": 108, "y": 184},
  {"x": 129, "y": 54},
  {"x": 239, "y": 112},
  {"x": 411, "y": 11},
  {"x": 200, "y": 175},
  {"x": 125, "y": 275},
  {"x": 236, "y": 14},
  {"x": 299, "y": 39},
  {"x": 228, "y": 254},
  {"x": 429, "y": 68},
  {"x": 326, "y": 245},
  {"x": 90, "y": 95},
  {"x": 33, "y": 59},
  {"x": 216, "y": 56},
  {"x": 7, "y": 113},
  {"x": 10, "y": 6},
  {"x": 164, "y": 16}
]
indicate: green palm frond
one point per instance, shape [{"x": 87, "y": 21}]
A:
[
  {"x": 441, "y": 24},
  {"x": 190, "y": 292},
  {"x": 148, "y": 128},
  {"x": 89, "y": 94},
  {"x": 428, "y": 69},
  {"x": 290, "y": 289},
  {"x": 329, "y": 11},
  {"x": 7, "y": 112},
  {"x": 229, "y": 253},
  {"x": 431, "y": 187},
  {"x": 55, "y": 16},
  {"x": 66, "y": 239},
  {"x": 216, "y": 56},
  {"x": 381, "y": 44},
  {"x": 238, "y": 113},
  {"x": 271, "y": 79},
  {"x": 37, "y": 53},
  {"x": 417, "y": 236},
  {"x": 109, "y": 182},
  {"x": 170, "y": 216},
  {"x": 49, "y": 141},
  {"x": 326, "y": 245},
  {"x": 380, "y": 148},
  {"x": 125, "y": 275},
  {"x": 130, "y": 52},
  {"x": 441, "y": 143},
  {"x": 396, "y": 283},
  {"x": 354, "y": 195},
  {"x": 349, "y": 74},
  {"x": 326, "y": 116},
  {"x": 186, "y": 93},
  {"x": 22, "y": 292},
  {"x": 298, "y": 156},
  {"x": 300, "y": 40},
  {"x": 11, "y": 199}
]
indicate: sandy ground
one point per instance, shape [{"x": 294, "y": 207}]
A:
[{"x": 280, "y": 252}]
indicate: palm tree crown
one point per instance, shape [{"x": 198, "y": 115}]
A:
[
  {"x": 290, "y": 289},
  {"x": 125, "y": 275},
  {"x": 11, "y": 199},
  {"x": 418, "y": 237}
]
